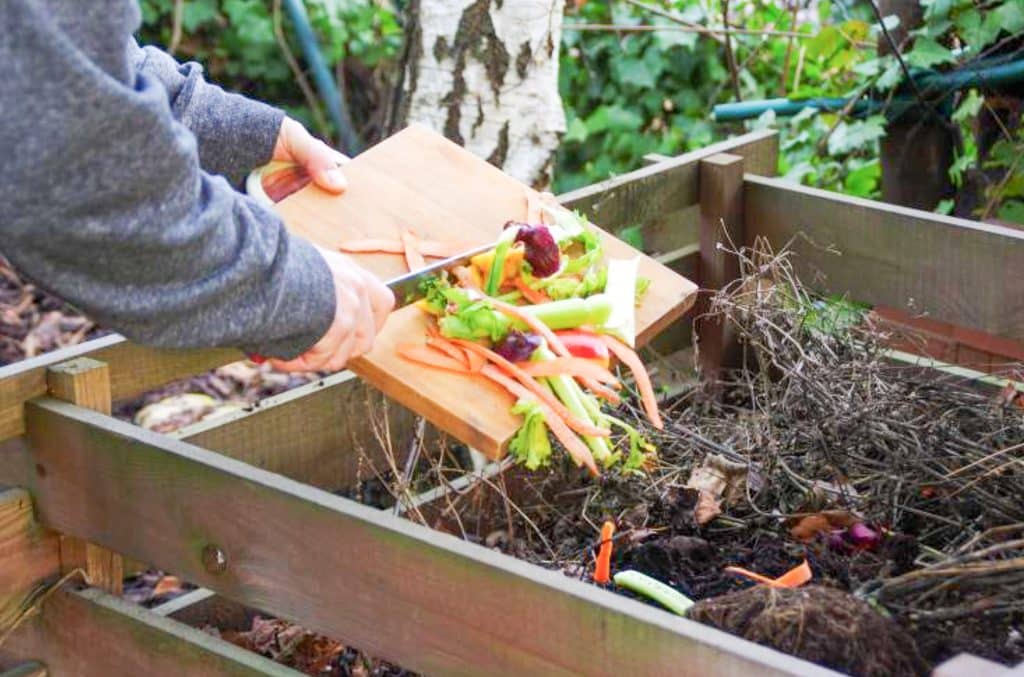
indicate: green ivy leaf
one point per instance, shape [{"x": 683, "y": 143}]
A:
[
  {"x": 851, "y": 136},
  {"x": 576, "y": 131},
  {"x": 927, "y": 53},
  {"x": 1011, "y": 16},
  {"x": 1013, "y": 211},
  {"x": 195, "y": 14},
  {"x": 634, "y": 73},
  {"x": 633, "y": 236},
  {"x": 863, "y": 182},
  {"x": 944, "y": 207}
]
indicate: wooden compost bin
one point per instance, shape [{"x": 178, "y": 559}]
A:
[{"x": 241, "y": 505}]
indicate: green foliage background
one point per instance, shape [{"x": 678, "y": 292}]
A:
[{"x": 629, "y": 94}]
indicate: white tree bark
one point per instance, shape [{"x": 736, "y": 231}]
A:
[{"x": 485, "y": 74}]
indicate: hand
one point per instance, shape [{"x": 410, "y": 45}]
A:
[
  {"x": 321, "y": 162},
  {"x": 363, "y": 305}
]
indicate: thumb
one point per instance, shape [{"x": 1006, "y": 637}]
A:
[{"x": 322, "y": 163}]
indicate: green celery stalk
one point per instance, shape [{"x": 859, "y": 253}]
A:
[
  {"x": 654, "y": 589},
  {"x": 497, "y": 268},
  {"x": 572, "y": 313},
  {"x": 566, "y": 389}
]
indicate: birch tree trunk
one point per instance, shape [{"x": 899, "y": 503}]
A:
[{"x": 485, "y": 74}]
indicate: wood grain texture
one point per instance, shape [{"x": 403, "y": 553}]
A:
[
  {"x": 949, "y": 269},
  {"x": 28, "y": 554},
  {"x": 640, "y": 196},
  {"x": 424, "y": 600},
  {"x": 85, "y": 382},
  {"x": 317, "y": 434},
  {"x": 134, "y": 369},
  {"x": 721, "y": 232},
  {"x": 421, "y": 180},
  {"x": 90, "y": 633}
]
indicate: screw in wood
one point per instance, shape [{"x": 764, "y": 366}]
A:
[{"x": 214, "y": 559}]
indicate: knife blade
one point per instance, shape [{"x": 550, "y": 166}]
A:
[{"x": 406, "y": 288}]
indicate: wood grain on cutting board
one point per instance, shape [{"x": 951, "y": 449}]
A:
[{"x": 421, "y": 180}]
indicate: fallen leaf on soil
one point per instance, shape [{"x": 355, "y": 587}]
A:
[
  {"x": 822, "y": 523},
  {"x": 716, "y": 480}
]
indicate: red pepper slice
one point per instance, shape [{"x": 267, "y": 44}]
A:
[{"x": 582, "y": 343}]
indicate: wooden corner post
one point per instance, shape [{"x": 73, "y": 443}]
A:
[
  {"x": 86, "y": 382},
  {"x": 721, "y": 233}
]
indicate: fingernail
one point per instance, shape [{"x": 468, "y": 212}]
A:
[{"x": 336, "y": 178}]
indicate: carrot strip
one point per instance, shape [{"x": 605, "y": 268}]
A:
[
  {"x": 448, "y": 349},
  {"x": 793, "y": 578},
  {"x": 372, "y": 246},
  {"x": 531, "y": 295},
  {"x": 602, "y": 569},
  {"x": 475, "y": 360},
  {"x": 627, "y": 356},
  {"x": 424, "y": 354},
  {"x": 555, "y": 344},
  {"x": 574, "y": 445},
  {"x": 539, "y": 391},
  {"x": 413, "y": 257},
  {"x": 570, "y": 366}
]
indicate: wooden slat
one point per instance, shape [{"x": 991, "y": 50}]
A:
[
  {"x": 648, "y": 193},
  {"x": 90, "y": 633},
  {"x": 134, "y": 369},
  {"x": 29, "y": 555},
  {"x": 950, "y": 269},
  {"x": 721, "y": 233},
  {"x": 315, "y": 434},
  {"x": 85, "y": 382},
  {"x": 424, "y": 600}
]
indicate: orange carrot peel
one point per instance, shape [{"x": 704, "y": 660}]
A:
[
  {"x": 627, "y": 356},
  {"x": 431, "y": 248},
  {"x": 602, "y": 568},
  {"x": 413, "y": 257},
  {"x": 573, "y": 444},
  {"x": 570, "y": 366},
  {"x": 431, "y": 357},
  {"x": 539, "y": 392},
  {"x": 793, "y": 578}
]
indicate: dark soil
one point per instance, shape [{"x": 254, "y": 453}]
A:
[{"x": 819, "y": 624}]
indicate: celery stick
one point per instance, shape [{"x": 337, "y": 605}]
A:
[
  {"x": 566, "y": 389},
  {"x": 497, "y": 268},
  {"x": 621, "y": 288},
  {"x": 654, "y": 589},
  {"x": 571, "y": 313}
]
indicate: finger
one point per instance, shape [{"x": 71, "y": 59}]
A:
[
  {"x": 342, "y": 355},
  {"x": 322, "y": 162},
  {"x": 367, "y": 328},
  {"x": 382, "y": 301}
]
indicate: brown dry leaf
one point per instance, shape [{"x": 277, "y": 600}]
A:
[{"x": 715, "y": 480}]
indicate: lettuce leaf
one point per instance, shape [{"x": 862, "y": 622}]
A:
[
  {"x": 531, "y": 445},
  {"x": 474, "y": 320}
]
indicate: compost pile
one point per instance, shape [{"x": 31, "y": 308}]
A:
[
  {"x": 900, "y": 486},
  {"x": 33, "y": 322}
]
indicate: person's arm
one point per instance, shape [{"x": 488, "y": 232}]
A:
[
  {"x": 103, "y": 201},
  {"x": 235, "y": 134}
]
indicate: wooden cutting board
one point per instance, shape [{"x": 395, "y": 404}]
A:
[{"x": 421, "y": 180}]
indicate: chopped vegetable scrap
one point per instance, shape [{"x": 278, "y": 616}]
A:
[
  {"x": 793, "y": 578},
  {"x": 602, "y": 568},
  {"x": 642, "y": 584},
  {"x": 532, "y": 316}
]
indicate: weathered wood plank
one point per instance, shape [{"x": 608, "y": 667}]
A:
[
  {"x": 658, "y": 189},
  {"x": 90, "y": 633},
  {"x": 29, "y": 555},
  {"x": 86, "y": 382},
  {"x": 134, "y": 369},
  {"x": 315, "y": 434},
  {"x": 424, "y": 600},
  {"x": 950, "y": 269},
  {"x": 721, "y": 233}
]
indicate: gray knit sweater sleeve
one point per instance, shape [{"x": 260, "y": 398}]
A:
[
  {"x": 235, "y": 134},
  {"x": 105, "y": 202}
]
